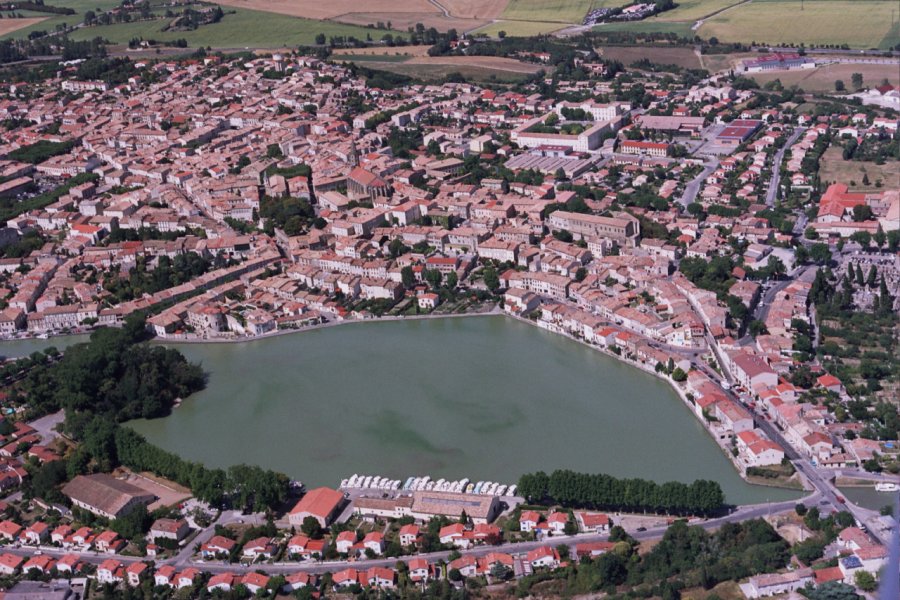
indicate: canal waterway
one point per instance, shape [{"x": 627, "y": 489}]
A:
[{"x": 482, "y": 397}]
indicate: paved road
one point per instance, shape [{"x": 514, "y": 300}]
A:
[
  {"x": 693, "y": 187},
  {"x": 800, "y": 225},
  {"x": 765, "y": 302},
  {"x": 776, "y": 166},
  {"x": 184, "y": 558},
  {"x": 45, "y": 426},
  {"x": 822, "y": 483}
]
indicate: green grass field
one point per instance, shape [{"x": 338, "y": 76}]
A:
[
  {"x": 244, "y": 28},
  {"x": 367, "y": 58},
  {"x": 523, "y": 18},
  {"x": 565, "y": 11},
  {"x": 79, "y": 6},
  {"x": 858, "y": 23},
  {"x": 520, "y": 28},
  {"x": 432, "y": 72},
  {"x": 682, "y": 29},
  {"x": 691, "y": 10}
]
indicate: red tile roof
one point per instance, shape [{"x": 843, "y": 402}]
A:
[{"x": 320, "y": 502}]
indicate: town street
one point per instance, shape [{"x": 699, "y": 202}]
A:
[
  {"x": 185, "y": 559},
  {"x": 772, "y": 193},
  {"x": 693, "y": 187}
]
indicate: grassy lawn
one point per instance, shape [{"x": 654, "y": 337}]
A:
[
  {"x": 834, "y": 168},
  {"x": 728, "y": 590},
  {"x": 520, "y": 28},
  {"x": 858, "y": 23},
  {"x": 244, "y": 28},
  {"x": 440, "y": 71},
  {"x": 821, "y": 79},
  {"x": 682, "y": 29},
  {"x": 566, "y": 11},
  {"x": 367, "y": 58},
  {"x": 691, "y": 10},
  {"x": 683, "y": 57}
]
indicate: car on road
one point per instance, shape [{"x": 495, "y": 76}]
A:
[{"x": 641, "y": 528}]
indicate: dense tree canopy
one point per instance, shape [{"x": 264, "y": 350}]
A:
[
  {"x": 113, "y": 376},
  {"x": 598, "y": 491}
]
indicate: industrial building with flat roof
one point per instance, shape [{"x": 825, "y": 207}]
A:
[
  {"x": 622, "y": 230},
  {"x": 106, "y": 496},
  {"x": 738, "y": 131},
  {"x": 589, "y": 139},
  {"x": 481, "y": 509},
  {"x": 778, "y": 62},
  {"x": 680, "y": 125}
]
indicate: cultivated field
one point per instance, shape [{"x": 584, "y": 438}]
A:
[
  {"x": 833, "y": 167},
  {"x": 10, "y": 25},
  {"x": 858, "y": 23},
  {"x": 475, "y": 9},
  {"x": 683, "y": 57},
  {"x": 244, "y": 29},
  {"x": 403, "y": 21},
  {"x": 315, "y": 9},
  {"x": 821, "y": 79},
  {"x": 462, "y": 15}
]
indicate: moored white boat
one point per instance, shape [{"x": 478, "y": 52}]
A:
[{"x": 886, "y": 486}]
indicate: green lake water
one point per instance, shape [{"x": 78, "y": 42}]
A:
[
  {"x": 486, "y": 398},
  {"x": 868, "y": 497},
  {"x": 20, "y": 348}
]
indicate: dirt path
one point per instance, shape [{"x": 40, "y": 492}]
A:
[{"x": 440, "y": 7}]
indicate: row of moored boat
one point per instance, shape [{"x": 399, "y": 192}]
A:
[{"x": 412, "y": 484}]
